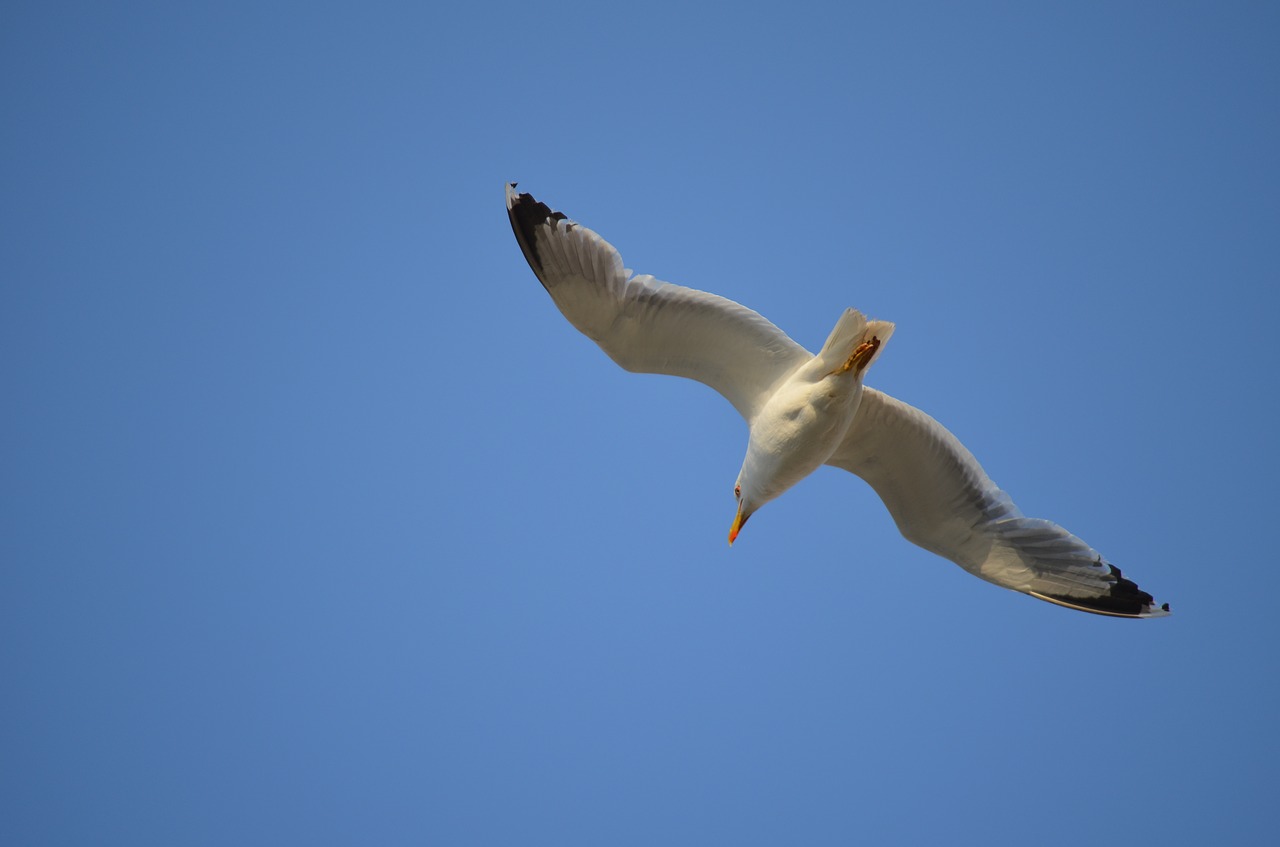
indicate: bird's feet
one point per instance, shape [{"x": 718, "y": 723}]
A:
[{"x": 861, "y": 357}]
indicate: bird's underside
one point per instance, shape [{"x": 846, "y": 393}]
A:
[{"x": 934, "y": 488}]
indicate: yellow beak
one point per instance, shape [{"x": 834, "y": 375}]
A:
[{"x": 738, "y": 521}]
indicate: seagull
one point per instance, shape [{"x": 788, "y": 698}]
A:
[{"x": 807, "y": 410}]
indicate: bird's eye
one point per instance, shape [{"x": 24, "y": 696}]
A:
[{"x": 737, "y": 491}]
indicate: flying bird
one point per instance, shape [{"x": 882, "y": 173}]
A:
[{"x": 807, "y": 410}]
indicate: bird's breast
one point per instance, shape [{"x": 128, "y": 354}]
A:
[{"x": 802, "y": 425}]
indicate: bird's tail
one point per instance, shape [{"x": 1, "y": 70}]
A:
[{"x": 852, "y": 331}]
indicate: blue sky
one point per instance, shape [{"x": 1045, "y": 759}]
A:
[{"x": 319, "y": 524}]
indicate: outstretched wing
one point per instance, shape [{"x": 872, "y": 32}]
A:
[
  {"x": 647, "y": 326},
  {"x": 943, "y": 501}
]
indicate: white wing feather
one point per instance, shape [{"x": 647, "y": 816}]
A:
[
  {"x": 942, "y": 500},
  {"x": 647, "y": 326}
]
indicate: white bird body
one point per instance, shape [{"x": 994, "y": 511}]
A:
[
  {"x": 805, "y": 411},
  {"x": 805, "y": 420}
]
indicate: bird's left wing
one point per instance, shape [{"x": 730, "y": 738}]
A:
[
  {"x": 942, "y": 500},
  {"x": 647, "y": 326}
]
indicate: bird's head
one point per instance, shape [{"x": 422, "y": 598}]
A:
[
  {"x": 746, "y": 508},
  {"x": 765, "y": 475}
]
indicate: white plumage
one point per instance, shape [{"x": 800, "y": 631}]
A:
[{"x": 805, "y": 411}]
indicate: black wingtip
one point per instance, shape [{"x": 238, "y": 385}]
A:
[
  {"x": 526, "y": 214},
  {"x": 1124, "y": 599}
]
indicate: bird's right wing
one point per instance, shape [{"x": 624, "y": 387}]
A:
[
  {"x": 647, "y": 326},
  {"x": 942, "y": 500}
]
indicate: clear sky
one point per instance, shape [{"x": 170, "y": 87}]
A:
[{"x": 320, "y": 525}]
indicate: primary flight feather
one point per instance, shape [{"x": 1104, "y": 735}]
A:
[{"x": 807, "y": 410}]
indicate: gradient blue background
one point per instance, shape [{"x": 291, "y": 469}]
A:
[{"x": 320, "y": 525}]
